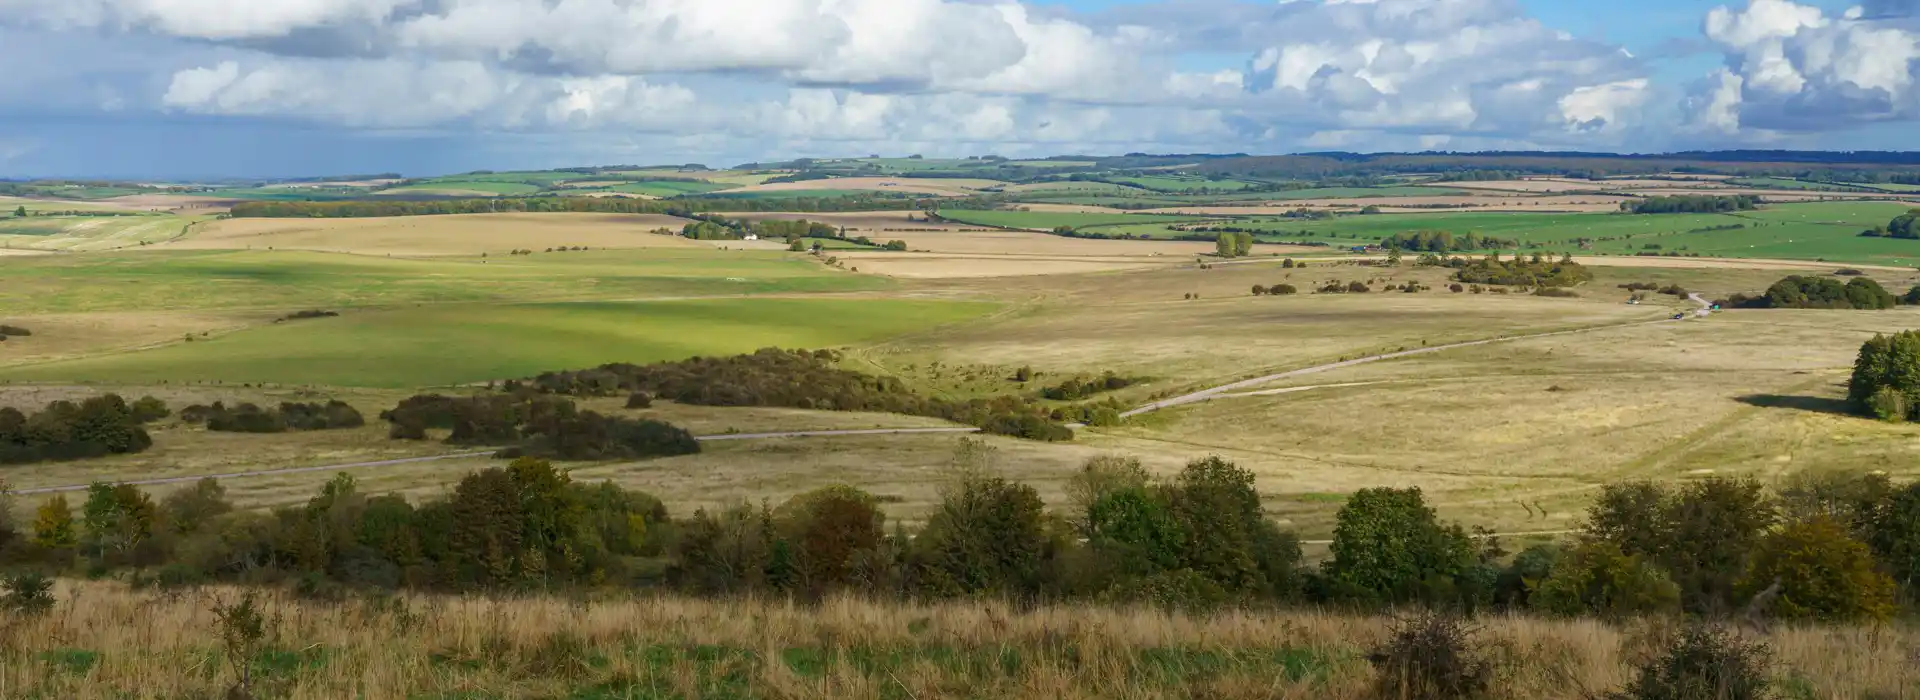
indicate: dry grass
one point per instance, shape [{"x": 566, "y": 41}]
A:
[
  {"x": 103, "y": 641},
  {"x": 869, "y": 222},
  {"x": 463, "y": 234},
  {"x": 61, "y": 336},
  {"x": 947, "y": 266}
]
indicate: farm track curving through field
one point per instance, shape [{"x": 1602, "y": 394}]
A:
[
  {"x": 1225, "y": 389},
  {"x": 1196, "y": 397}
]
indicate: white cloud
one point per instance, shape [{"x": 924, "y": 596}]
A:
[{"x": 1791, "y": 67}]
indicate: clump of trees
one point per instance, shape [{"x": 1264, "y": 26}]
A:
[
  {"x": 1233, "y": 245},
  {"x": 1076, "y": 388},
  {"x": 1905, "y": 226},
  {"x": 525, "y": 423},
  {"x": 1886, "y": 377},
  {"x": 1444, "y": 242},
  {"x": 7, "y": 331},
  {"x": 797, "y": 379},
  {"x": 1537, "y": 271},
  {"x": 251, "y": 418},
  {"x": 1338, "y": 287},
  {"x": 1817, "y": 292},
  {"x": 1691, "y": 204},
  {"x": 64, "y": 430},
  {"x": 1282, "y": 289}
]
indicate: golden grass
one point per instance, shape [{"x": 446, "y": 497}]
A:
[
  {"x": 166, "y": 645},
  {"x": 1415, "y": 205},
  {"x": 461, "y": 234},
  {"x": 61, "y": 336}
]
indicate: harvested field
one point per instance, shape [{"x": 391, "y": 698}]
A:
[
  {"x": 1070, "y": 208},
  {"x": 1554, "y": 184},
  {"x": 61, "y": 336},
  {"x": 174, "y": 202},
  {"x": 1029, "y": 243},
  {"x": 460, "y": 234},
  {"x": 942, "y": 266},
  {"x": 1414, "y": 205},
  {"x": 867, "y": 222},
  {"x": 944, "y": 187}
]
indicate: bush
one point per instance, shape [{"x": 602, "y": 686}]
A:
[
  {"x": 639, "y": 399},
  {"x": 1596, "y": 578},
  {"x": 1812, "y": 292},
  {"x": 1282, "y": 290},
  {"x": 65, "y": 431},
  {"x": 1076, "y": 388},
  {"x": 149, "y": 409},
  {"x": 1535, "y": 272},
  {"x": 1704, "y": 663},
  {"x": 26, "y": 593},
  {"x": 6, "y": 330},
  {"x": 987, "y": 537},
  {"x": 1554, "y": 292},
  {"x": 1183, "y": 590},
  {"x": 1430, "y": 657},
  {"x": 1821, "y": 574}
]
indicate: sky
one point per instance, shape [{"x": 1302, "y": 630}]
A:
[{"x": 285, "y": 88}]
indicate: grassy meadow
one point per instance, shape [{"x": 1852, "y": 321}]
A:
[
  {"x": 104, "y": 641},
  {"x": 180, "y": 280},
  {"x": 445, "y": 344},
  {"x": 1044, "y": 220}
]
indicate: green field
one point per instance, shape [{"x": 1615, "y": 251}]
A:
[
  {"x": 465, "y": 186},
  {"x": 837, "y": 244},
  {"x": 796, "y": 194},
  {"x": 156, "y": 280},
  {"x": 668, "y": 188},
  {"x": 454, "y": 344},
  {"x": 85, "y": 233},
  {"x": 1183, "y": 184},
  {"x": 1363, "y": 192},
  {"x": 1050, "y": 220},
  {"x": 1810, "y": 231}
]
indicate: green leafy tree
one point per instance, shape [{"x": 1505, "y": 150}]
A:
[
  {"x": 832, "y": 531},
  {"x": 987, "y": 537},
  {"x": 20, "y": 212},
  {"x": 1388, "y": 546},
  {"x": 189, "y": 508},
  {"x": 1822, "y": 574},
  {"x": 1596, "y": 578},
  {"x": 1886, "y": 377},
  {"x": 117, "y": 517},
  {"x": 1895, "y": 536},
  {"x": 1138, "y": 530}
]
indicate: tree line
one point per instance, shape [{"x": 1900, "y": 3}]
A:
[
  {"x": 1233, "y": 245},
  {"x": 250, "y": 418},
  {"x": 1835, "y": 547},
  {"x": 1444, "y": 242},
  {"x": 1535, "y": 271},
  {"x": 1816, "y": 292},
  {"x": 1691, "y": 204},
  {"x": 797, "y": 379},
  {"x": 65, "y": 431},
  {"x": 526, "y": 423},
  {"x": 598, "y": 205}
]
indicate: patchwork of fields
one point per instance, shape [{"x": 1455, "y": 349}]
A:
[{"x": 440, "y": 301}]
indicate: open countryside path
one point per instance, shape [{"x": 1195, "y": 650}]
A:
[
  {"x": 1224, "y": 389},
  {"x": 1196, "y": 397}
]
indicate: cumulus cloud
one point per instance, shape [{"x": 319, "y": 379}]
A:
[
  {"x": 1465, "y": 66},
  {"x": 1794, "y": 67}
]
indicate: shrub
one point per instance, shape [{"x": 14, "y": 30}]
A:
[
  {"x": 1259, "y": 290},
  {"x": 1701, "y": 535},
  {"x": 1076, "y": 388},
  {"x": 987, "y": 537},
  {"x": 1430, "y": 657},
  {"x": 1357, "y": 287},
  {"x": 1554, "y": 292},
  {"x": 1821, "y": 573},
  {"x": 639, "y": 399},
  {"x": 149, "y": 409},
  {"x": 1596, "y": 578},
  {"x": 1183, "y": 590},
  {"x": 1282, "y": 289},
  {"x": 65, "y": 431},
  {"x": 1894, "y": 534},
  {"x": 831, "y": 531},
  {"x": 26, "y": 593},
  {"x": 1704, "y": 663}
]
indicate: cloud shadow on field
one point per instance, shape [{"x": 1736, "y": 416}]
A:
[{"x": 1815, "y": 404}]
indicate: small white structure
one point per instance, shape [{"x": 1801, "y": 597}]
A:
[{"x": 751, "y": 237}]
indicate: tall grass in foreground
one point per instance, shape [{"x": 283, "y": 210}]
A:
[{"x": 102, "y": 640}]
